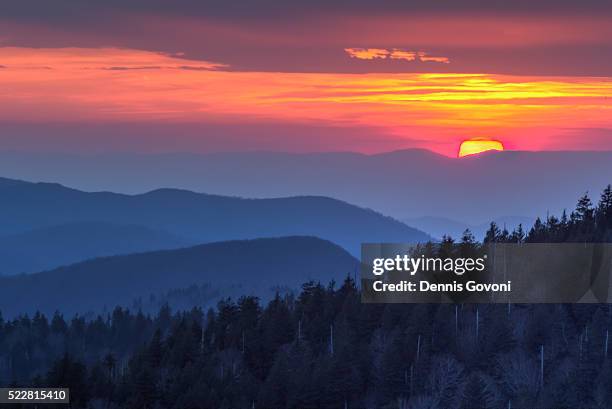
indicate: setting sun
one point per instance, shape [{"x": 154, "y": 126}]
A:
[{"x": 471, "y": 147}]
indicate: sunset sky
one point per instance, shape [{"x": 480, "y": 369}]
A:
[{"x": 199, "y": 76}]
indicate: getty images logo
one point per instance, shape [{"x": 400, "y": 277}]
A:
[{"x": 412, "y": 265}]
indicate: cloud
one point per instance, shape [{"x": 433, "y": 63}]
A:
[
  {"x": 64, "y": 11},
  {"x": 394, "y": 54},
  {"x": 106, "y": 59},
  {"x": 477, "y": 42},
  {"x": 367, "y": 53},
  {"x": 429, "y": 58},
  {"x": 397, "y": 54}
]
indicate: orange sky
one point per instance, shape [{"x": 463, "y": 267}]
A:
[{"x": 433, "y": 111}]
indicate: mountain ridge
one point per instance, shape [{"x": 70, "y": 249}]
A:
[
  {"x": 199, "y": 217},
  {"x": 250, "y": 266},
  {"x": 402, "y": 184},
  {"x": 48, "y": 247}
]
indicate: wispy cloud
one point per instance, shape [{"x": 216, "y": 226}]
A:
[
  {"x": 106, "y": 59},
  {"x": 398, "y": 54},
  {"x": 430, "y": 58},
  {"x": 394, "y": 54},
  {"x": 367, "y": 53}
]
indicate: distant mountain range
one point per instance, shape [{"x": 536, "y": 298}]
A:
[
  {"x": 404, "y": 184},
  {"x": 44, "y": 225},
  {"x": 242, "y": 267}
]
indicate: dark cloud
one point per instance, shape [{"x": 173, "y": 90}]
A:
[
  {"x": 73, "y": 10},
  {"x": 292, "y": 36}
]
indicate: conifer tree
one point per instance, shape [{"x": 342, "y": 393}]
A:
[
  {"x": 605, "y": 203},
  {"x": 492, "y": 234}
]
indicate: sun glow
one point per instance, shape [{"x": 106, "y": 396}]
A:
[{"x": 475, "y": 146}]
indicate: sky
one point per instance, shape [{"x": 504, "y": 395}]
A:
[{"x": 201, "y": 76}]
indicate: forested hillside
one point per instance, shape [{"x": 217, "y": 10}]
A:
[
  {"x": 242, "y": 267},
  {"x": 323, "y": 349}
]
